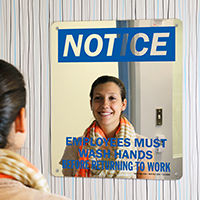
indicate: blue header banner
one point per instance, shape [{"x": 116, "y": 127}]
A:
[{"x": 135, "y": 44}]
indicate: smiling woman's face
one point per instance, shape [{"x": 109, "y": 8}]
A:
[{"x": 107, "y": 105}]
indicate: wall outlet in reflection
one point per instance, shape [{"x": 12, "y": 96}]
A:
[{"x": 162, "y": 146}]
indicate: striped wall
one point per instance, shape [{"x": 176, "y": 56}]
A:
[{"x": 24, "y": 41}]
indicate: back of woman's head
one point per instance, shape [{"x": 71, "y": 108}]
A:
[{"x": 12, "y": 98}]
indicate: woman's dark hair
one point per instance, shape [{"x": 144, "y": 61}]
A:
[
  {"x": 12, "y": 98},
  {"x": 105, "y": 79}
]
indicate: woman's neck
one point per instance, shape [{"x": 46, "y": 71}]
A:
[{"x": 109, "y": 132}]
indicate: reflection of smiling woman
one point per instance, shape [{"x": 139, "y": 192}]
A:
[{"x": 108, "y": 101}]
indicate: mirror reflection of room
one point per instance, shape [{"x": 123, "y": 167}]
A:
[{"x": 153, "y": 104}]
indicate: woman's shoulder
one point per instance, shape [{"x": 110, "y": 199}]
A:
[
  {"x": 70, "y": 153},
  {"x": 138, "y": 136},
  {"x": 22, "y": 192}
]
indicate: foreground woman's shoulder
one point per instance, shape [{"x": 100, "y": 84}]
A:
[{"x": 15, "y": 190}]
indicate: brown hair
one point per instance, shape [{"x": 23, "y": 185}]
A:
[
  {"x": 105, "y": 79},
  {"x": 12, "y": 98}
]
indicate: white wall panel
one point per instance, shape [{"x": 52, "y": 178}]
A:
[{"x": 24, "y": 41}]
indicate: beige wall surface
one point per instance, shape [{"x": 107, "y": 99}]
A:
[{"x": 25, "y": 42}]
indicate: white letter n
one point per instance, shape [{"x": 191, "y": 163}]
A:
[{"x": 76, "y": 48}]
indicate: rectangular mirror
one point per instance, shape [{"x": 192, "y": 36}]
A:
[{"x": 146, "y": 55}]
